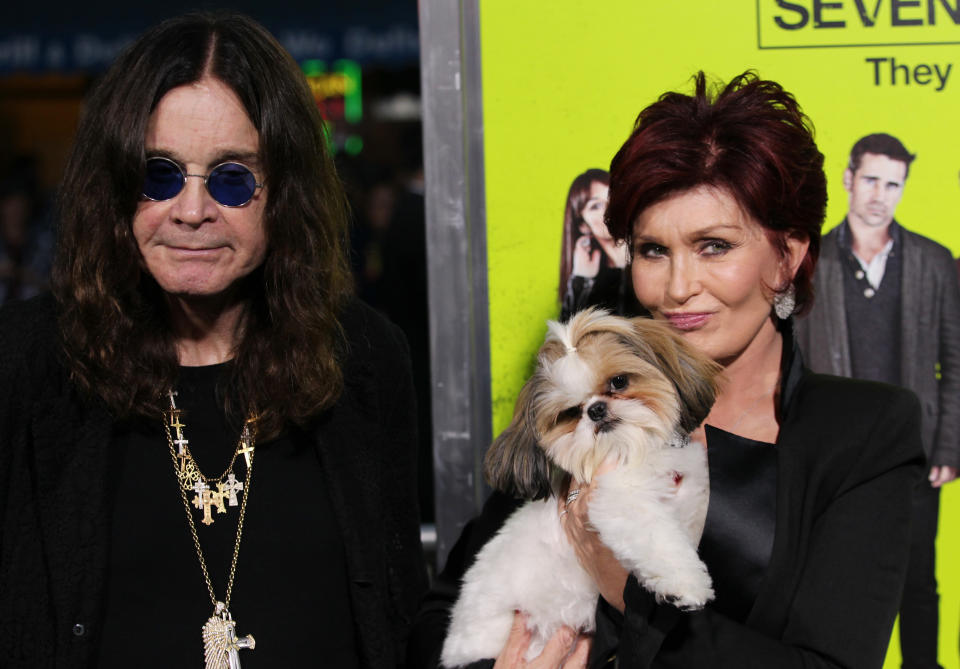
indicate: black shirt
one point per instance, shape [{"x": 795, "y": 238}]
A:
[
  {"x": 290, "y": 590},
  {"x": 873, "y": 314}
]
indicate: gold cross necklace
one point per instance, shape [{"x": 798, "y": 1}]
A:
[
  {"x": 210, "y": 491},
  {"x": 220, "y": 641}
]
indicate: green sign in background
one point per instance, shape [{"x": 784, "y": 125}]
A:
[{"x": 563, "y": 82}]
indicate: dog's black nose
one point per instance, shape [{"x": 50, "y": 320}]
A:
[{"x": 597, "y": 411}]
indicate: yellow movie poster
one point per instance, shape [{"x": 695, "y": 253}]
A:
[{"x": 562, "y": 85}]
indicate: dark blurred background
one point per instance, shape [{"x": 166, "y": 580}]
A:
[{"x": 361, "y": 58}]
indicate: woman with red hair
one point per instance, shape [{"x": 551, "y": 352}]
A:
[{"x": 721, "y": 196}]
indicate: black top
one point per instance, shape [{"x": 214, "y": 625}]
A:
[
  {"x": 290, "y": 589},
  {"x": 56, "y": 514},
  {"x": 741, "y": 518},
  {"x": 873, "y": 314}
]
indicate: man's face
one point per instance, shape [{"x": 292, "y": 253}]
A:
[
  {"x": 191, "y": 245},
  {"x": 875, "y": 189}
]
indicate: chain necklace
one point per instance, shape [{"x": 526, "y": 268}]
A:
[
  {"x": 220, "y": 642},
  {"x": 192, "y": 479}
]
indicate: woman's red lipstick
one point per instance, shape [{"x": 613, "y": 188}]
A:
[{"x": 688, "y": 320}]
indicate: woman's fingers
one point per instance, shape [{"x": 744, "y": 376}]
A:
[
  {"x": 594, "y": 265},
  {"x": 596, "y": 558},
  {"x": 574, "y": 501},
  {"x": 557, "y": 648},
  {"x": 511, "y": 657},
  {"x": 581, "y": 653},
  {"x": 586, "y": 262}
]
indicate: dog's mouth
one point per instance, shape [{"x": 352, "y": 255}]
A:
[{"x": 606, "y": 425}]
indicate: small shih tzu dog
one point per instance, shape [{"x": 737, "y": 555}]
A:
[{"x": 605, "y": 388}]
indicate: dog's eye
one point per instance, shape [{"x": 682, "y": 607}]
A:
[
  {"x": 619, "y": 382},
  {"x": 573, "y": 413}
]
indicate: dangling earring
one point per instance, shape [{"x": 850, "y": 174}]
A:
[{"x": 785, "y": 302}]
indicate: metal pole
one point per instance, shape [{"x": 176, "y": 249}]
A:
[{"x": 456, "y": 259}]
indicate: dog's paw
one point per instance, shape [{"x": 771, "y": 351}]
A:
[
  {"x": 688, "y": 590},
  {"x": 690, "y": 603}
]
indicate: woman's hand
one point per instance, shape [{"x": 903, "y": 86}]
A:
[
  {"x": 599, "y": 561},
  {"x": 586, "y": 263},
  {"x": 565, "y": 649}
]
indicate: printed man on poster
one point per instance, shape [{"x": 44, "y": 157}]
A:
[{"x": 887, "y": 309}]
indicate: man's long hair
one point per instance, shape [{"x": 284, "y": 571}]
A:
[{"x": 114, "y": 317}]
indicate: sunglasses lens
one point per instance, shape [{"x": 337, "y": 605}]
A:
[
  {"x": 232, "y": 184},
  {"x": 162, "y": 179}
]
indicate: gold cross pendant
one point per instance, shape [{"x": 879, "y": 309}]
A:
[
  {"x": 246, "y": 445},
  {"x": 207, "y": 498}
]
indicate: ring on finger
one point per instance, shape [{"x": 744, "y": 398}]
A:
[{"x": 572, "y": 495}]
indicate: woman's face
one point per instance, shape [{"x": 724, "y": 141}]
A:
[
  {"x": 593, "y": 211},
  {"x": 706, "y": 267}
]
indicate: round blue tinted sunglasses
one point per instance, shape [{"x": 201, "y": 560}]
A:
[{"x": 230, "y": 184}]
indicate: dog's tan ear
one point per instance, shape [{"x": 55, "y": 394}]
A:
[
  {"x": 695, "y": 376},
  {"x": 515, "y": 464}
]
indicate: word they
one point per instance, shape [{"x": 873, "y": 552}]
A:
[{"x": 922, "y": 74}]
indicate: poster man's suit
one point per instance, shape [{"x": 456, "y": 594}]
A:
[{"x": 929, "y": 337}]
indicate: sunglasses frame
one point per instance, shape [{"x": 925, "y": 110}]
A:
[{"x": 206, "y": 179}]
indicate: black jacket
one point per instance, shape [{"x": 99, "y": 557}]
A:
[
  {"x": 54, "y": 520},
  {"x": 848, "y": 457}
]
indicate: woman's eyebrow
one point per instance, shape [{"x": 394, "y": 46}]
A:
[
  {"x": 713, "y": 229},
  {"x": 699, "y": 233}
]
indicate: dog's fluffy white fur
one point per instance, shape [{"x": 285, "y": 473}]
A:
[{"x": 649, "y": 511}]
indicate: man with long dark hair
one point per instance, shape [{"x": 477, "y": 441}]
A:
[{"x": 202, "y": 323}]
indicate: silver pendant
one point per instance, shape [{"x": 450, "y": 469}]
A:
[{"x": 220, "y": 643}]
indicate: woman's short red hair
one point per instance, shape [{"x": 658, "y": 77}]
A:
[{"x": 750, "y": 139}]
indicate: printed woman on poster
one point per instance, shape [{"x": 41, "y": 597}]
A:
[{"x": 592, "y": 263}]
